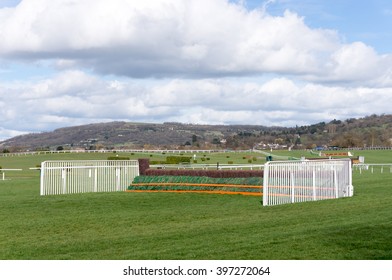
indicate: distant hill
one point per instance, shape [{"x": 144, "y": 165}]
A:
[
  {"x": 128, "y": 135},
  {"x": 372, "y": 130}
]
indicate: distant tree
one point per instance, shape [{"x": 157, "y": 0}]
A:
[
  {"x": 99, "y": 147},
  {"x": 335, "y": 122},
  {"x": 348, "y": 140},
  {"x": 331, "y": 128},
  {"x": 279, "y": 141},
  {"x": 313, "y": 130},
  {"x": 59, "y": 148}
]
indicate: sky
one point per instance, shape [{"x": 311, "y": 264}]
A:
[{"x": 267, "y": 62}]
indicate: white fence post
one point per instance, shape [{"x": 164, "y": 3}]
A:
[
  {"x": 42, "y": 175},
  {"x": 265, "y": 188},
  {"x": 118, "y": 173},
  {"x": 314, "y": 182},
  {"x": 2, "y": 171},
  {"x": 64, "y": 180},
  {"x": 95, "y": 179},
  {"x": 292, "y": 186},
  {"x": 335, "y": 181}
]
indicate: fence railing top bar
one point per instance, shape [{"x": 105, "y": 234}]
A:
[
  {"x": 89, "y": 167},
  {"x": 100, "y": 160},
  {"x": 372, "y": 164},
  {"x": 89, "y": 164},
  {"x": 207, "y": 165},
  {"x": 309, "y": 162},
  {"x": 10, "y": 169}
]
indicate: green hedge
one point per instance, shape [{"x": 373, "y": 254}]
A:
[
  {"x": 177, "y": 160},
  {"x": 118, "y": 158}
]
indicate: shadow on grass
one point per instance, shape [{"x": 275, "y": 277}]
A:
[{"x": 372, "y": 242}]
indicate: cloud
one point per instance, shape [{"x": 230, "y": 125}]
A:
[
  {"x": 177, "y": 39},
  {"x": 358, "y": 62},
  {"x": 196, "y": 61},
  {"x": 73, "y": 97},
  {"x": 9, "y": 133}
]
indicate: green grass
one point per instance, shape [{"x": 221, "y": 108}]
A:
[
  {"x": 190, "y": 226},
  {"x": 371, "y": 156}
]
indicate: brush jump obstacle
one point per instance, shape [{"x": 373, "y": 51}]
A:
[{"x": 283, "y": 181}]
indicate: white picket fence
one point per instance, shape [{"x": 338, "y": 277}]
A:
[
  {"x": 300, "y": 181},
  {"x": 65, "y": 177}
]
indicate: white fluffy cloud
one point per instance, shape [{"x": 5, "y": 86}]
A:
[
  {"x": 74, "y": 97},
  {"x": 175, "y": 38},
  {"x": 198, "y": 61}
]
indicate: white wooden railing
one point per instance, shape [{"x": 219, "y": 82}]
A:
[
  {"x": 2, "y": 172},
  {"x": 372, "y": 167},
  {"x": 65, "y": 177},
  {"x": 300, "y": 181}
]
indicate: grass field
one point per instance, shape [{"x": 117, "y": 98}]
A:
[{"x": 191, "y": 226}]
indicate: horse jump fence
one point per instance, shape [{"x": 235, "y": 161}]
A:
[
  {"x": 66, "y": 177},
  {"x": 300, "y": 181}
]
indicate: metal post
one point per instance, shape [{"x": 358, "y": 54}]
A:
[
  {"x": 118, "y": 173},
  {"x": 350, "y": 181},
  {"x": 64, "y": 181},
  {"x": 95, "y": 179},
  {"x": 335, "y": 180},
  {"x": 314, "y": 183},
  {"x": 265, "y": 184},
  {"x": 42, "y": 186},
  {"x": 292, "y": 187}
]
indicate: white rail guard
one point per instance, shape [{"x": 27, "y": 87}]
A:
[
  {"x": 300, "y": 181},
  {"x": 371, "y": 166},
  {"x": 2, "y": 172},
  {"x": 65, "y": 177}
]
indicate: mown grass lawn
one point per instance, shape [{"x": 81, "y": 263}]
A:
[{"x": 193, "y": 226}]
